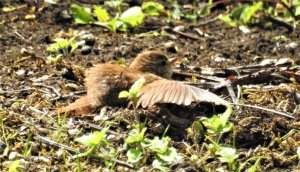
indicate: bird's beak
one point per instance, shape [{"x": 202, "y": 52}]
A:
[{"x": 177, "y": 60}]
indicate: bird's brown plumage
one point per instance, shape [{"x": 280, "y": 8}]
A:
[{"x": 105, "y": 81}]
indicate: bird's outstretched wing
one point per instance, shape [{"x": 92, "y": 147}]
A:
[{"x": 166, "y": 91}]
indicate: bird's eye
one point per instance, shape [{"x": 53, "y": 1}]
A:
[{"x": 163, "y": 63}]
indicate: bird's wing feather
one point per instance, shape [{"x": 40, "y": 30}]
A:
[{"x": 166, "y": 91}]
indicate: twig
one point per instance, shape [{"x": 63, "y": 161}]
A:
[
  {"x": 49, "y": 87},
  {"x": 289, "y": 27},
  {"x": 231, "y": 92},
  {"x": 33, "y": 109},
  {"x": 183, "y": 34},
  {"x": 265, "y": 109},
  {"x": 206, "y": 22},
  {"x": 15, "y": 91},
  {"x": 73, "y": 151},
  {"x": 68, "y": 95}
]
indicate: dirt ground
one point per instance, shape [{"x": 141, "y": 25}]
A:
[{"x": 30, "y": 86}]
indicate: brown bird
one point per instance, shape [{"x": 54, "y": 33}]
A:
[{"x": 104, "y": 82}]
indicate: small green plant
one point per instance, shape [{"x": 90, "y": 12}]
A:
[
  {"x": 296, "y": 7},
  {"x": 243, "y": 15},
  {"x": 28, "y": 145},
  {"x": 98, "y": 144},
  {"x": 246, "y": 14},
  {"x": 14, "y": 166},
  {"x": 92, "y": 141},
  {"x": 153, "y": 8},
  {"x": 140, "y": 149},
  {"x": 253, "y": 167},
  {"x": 132, "y": 17},
  {"x": 228, "y": 155},
  {"x": 194, "y": 13},
  {"x": 132, "y": 93},
  {"x": 6, "y": 135},
  {"x": 61, "y": 48},
  {"x": 218, "y": 124}
]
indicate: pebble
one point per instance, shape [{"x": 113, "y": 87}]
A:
[
  {"x": 85, "y": 50},
  {"x": 21, "y": 72},
  {"x": 90, "y": 41}
]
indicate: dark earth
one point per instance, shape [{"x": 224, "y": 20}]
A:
[{"x": 31, "y": 86}]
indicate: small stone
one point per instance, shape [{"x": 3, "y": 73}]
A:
[
  {"x": 219, "y": 58},
  {"x": 283, "y": 61},
  {"x": 21, "y": 72},
  {"x": 13, "y": 155},
  {"x": 292, "y": 45},
  {"x": 90, "y": 41},
  {"x": 85, "y": 50},
  {"x": 267, "y": 62},
  {"x": 170, "y": 46}
]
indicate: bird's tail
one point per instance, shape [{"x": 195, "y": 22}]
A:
[{"x": 81, "y": 107}]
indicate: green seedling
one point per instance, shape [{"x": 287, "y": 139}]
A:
[
  {"x": 253, "y": 167},
  {"x": 228, "y": 155},
  {"x": 98, "y": 145},
  {"x": 6, "y": 135},
  {"x": 242, "y": 15},
  {"x": 101, "y": 14},
  {"x": 296, "y": 7},
  {"x": 140, "y": 149},
  {"x": 218, "y": 124},
  {"x": 28, "y": 145},
  {"x": 92, "y": 141},
  {"x": 61, "y": 48},
  {"x": 14, "y": 166},
  {"x": 132, "y": 93},
  {"x": 193, "y": 14},
  {"x": 153, "y": 8},
  {"x": 131, "y": 18}
]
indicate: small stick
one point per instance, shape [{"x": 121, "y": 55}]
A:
[{"x": 265, "y": 109}]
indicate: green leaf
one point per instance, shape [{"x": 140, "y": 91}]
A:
[
  {"x": 94, "y": 138},
  {"x": 101, "y": 14},
  {"x": 159, "y": 145},
  {"x": 133, "y": 16},
  {"x": 14, "y": 165},
  {"x": 225, "y": 116},
  {"x": 176, "y": 12},
  {"x": 86, "y": 153},
  {"x": 136, "y": 135},
  {"x": 153, "y": 8},
  {"x": 227, "y": 19},
  {"x": 249, "y": 11},
  {"x": 8, "y": 9},
  {"x": 170, "y": 155},
  {"x": 236, "y": 13},
  {"x": 134, "y": 155},
  {"x": 62, "y": 47},
  {"x": 82, "y": 15},
  {"x": 227, "y": 155},
  {"x": 123, "y": 94},
  {"x": 297, "y": 10},
  {"x": 159, "y": 165},
  {"x": 135, "y": 88},
  {"x": 253, "y": 167}
]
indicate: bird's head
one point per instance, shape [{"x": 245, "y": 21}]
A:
[{"x": 153, "y": 62}]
